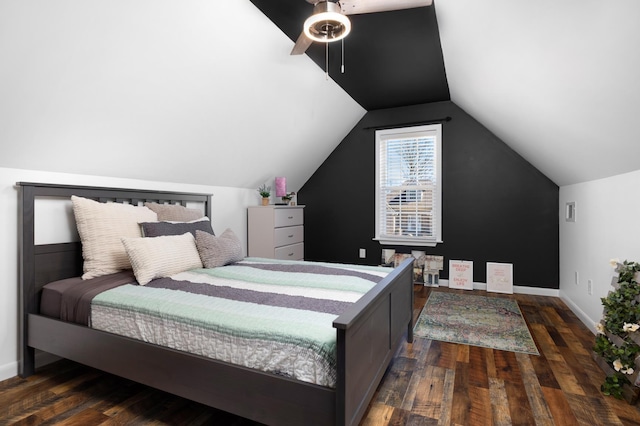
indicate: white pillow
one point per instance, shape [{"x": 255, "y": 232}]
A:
[
  {"x": 174, "y": 212},
  {"x": 101, "y": 226},
  {"x": 157, "y": 257}
]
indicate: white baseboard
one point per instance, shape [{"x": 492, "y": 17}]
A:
[
  {"x": 534, "y": 291},
  {"x": 8, "y": 371},
  {"x": 579, "y": 313}
]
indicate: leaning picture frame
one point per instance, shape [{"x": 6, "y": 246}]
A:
[
  {"x": 461, "y": 274},
  {"x": 500, "y": 277}
]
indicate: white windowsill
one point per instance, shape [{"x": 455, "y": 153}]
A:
[{"x": 408, "y": 242}]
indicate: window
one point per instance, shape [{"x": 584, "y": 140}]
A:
[{"x": 408, "y": 185}]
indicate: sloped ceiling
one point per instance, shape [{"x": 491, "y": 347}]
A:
[
  {"x": 205, "y": 92},
  {"x": 164, "y": 91},
  {"x": 391, "y": 59},
  {"x": 557, "y": 81}
]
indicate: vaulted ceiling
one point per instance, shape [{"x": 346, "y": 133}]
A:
[
  {"x": 391, "y": 59},
  {"x": 137, "y": 89},
  {"x": 557, "y": 81}
]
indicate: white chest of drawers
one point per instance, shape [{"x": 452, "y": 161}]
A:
[{"x": 276, "y": 232}]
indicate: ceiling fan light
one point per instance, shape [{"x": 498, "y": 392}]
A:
[{"x": 327, "y": 23}]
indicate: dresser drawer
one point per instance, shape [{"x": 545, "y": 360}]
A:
[
  {"x": 288, "y": 235},
  {"x": 292, "y": 252},
  {"x": 288, "y": 217}
]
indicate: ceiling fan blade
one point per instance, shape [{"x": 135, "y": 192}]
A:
[
  {"x": 354, "y": 7},
  {"x": 302, "y": 44}
]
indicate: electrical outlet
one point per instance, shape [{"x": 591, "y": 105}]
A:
[
  {"x": 576, "y": 276},
  {"x": 590, "y": 287},
  {"x": 363, "y": 253}
]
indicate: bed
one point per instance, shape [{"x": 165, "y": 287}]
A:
[{"x": 367, "y": 333}]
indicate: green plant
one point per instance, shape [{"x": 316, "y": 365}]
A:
[
  {"x": 620, "y": 320},
  {"x": 264, "y": 191},
  {"x": 288, "y": 196}
]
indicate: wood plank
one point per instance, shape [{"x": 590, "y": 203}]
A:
[
  {"x": 378, "y": 415},
  {"x": 592, "y": 410},
  {"x": 428, "y": 401},
  {"x": 500, "y": 413},
  {"x": 545, "y": 343},
  {"x": 478, "y": 376},
  {"x": 578, "y": 371},
  {"x": 519, "y": 407},
  {"x": 392, "y": 391},
  {"x": 559, "y": 407},
  {"x": 447, "y": 398},
  {"x": 461, "y": 406},
  {"x": 491, "y": 363},
  {"x": 506, "y": 366},
  {"x": 543, "y": 372},
  {"x": 480, "y": 412},
  {"x": 539, "y": 406}
]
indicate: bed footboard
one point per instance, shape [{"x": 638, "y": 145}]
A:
[{"x": 368, "y": 335}]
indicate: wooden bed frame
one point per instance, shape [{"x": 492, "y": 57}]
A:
[{"x": 367, "y": 334}]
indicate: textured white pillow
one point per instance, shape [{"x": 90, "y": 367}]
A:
[
  {"x": 101, "y": 226},
  {"x": 174, "y": 212},
  {"x": 157, "y": 257}
]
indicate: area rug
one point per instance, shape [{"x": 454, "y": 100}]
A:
[{"x": 490, "y": 322}]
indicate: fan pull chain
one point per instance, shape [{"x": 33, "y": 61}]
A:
[
  {"x": 326, "y": 61},
  {"x": 342, "y": 67}
]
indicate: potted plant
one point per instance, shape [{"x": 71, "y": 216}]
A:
[
  {"x": 617, "y": 347},
  {"x": 286, "y": 198},
  {"x": 265, "y": 193}
]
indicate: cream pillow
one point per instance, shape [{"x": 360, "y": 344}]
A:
[
  {"x": 157, "y": 257},
  {"x": 174, "y": 212},
  {"x": 101, "y": 226}
]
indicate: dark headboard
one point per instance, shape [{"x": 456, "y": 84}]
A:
[{"x": 40, "y": 264}]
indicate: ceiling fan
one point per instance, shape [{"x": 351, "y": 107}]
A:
[{"x": 329, "y": 21}]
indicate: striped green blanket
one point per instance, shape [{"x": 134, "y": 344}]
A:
[{"x": 275, "y": 316}]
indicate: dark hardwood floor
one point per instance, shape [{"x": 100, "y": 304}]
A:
[{"x": 428, "y": 383}]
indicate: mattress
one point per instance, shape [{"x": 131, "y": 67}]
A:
[{"x": 275, "y": 316}]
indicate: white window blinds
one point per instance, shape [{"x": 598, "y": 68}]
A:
[{"x": 408, "y": 185}]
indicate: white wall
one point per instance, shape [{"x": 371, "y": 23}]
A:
[
  {"x": 228, "y": 211},
  {"x": 607, "y": 226},
  {"x": 202, "y": 91}
]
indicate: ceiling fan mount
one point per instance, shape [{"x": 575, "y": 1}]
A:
[{"x": 329, "y": 21}]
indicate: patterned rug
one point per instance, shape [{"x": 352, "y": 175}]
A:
[{"x": 490, "y": 322}]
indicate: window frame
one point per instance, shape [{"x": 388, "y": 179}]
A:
[{"x": 381, "y": 137}]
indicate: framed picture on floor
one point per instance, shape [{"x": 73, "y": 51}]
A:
[
  {"x": 461, "y": 274},
  {"x": 500, "y": 277}
]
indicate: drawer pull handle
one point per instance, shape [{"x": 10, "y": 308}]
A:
[
  {"x": 290, "y": 254},
  {"x": 290, "y": 217},
  {"x": 291, "y": 236}
]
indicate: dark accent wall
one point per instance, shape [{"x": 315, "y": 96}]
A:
[
  {"x": 391, "y": 58},
  {"x": 496, "y": 206}
]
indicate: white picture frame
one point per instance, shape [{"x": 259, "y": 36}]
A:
[
  {"x": 500, "y": 277},
  {"x": 461, "y": 274}
]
